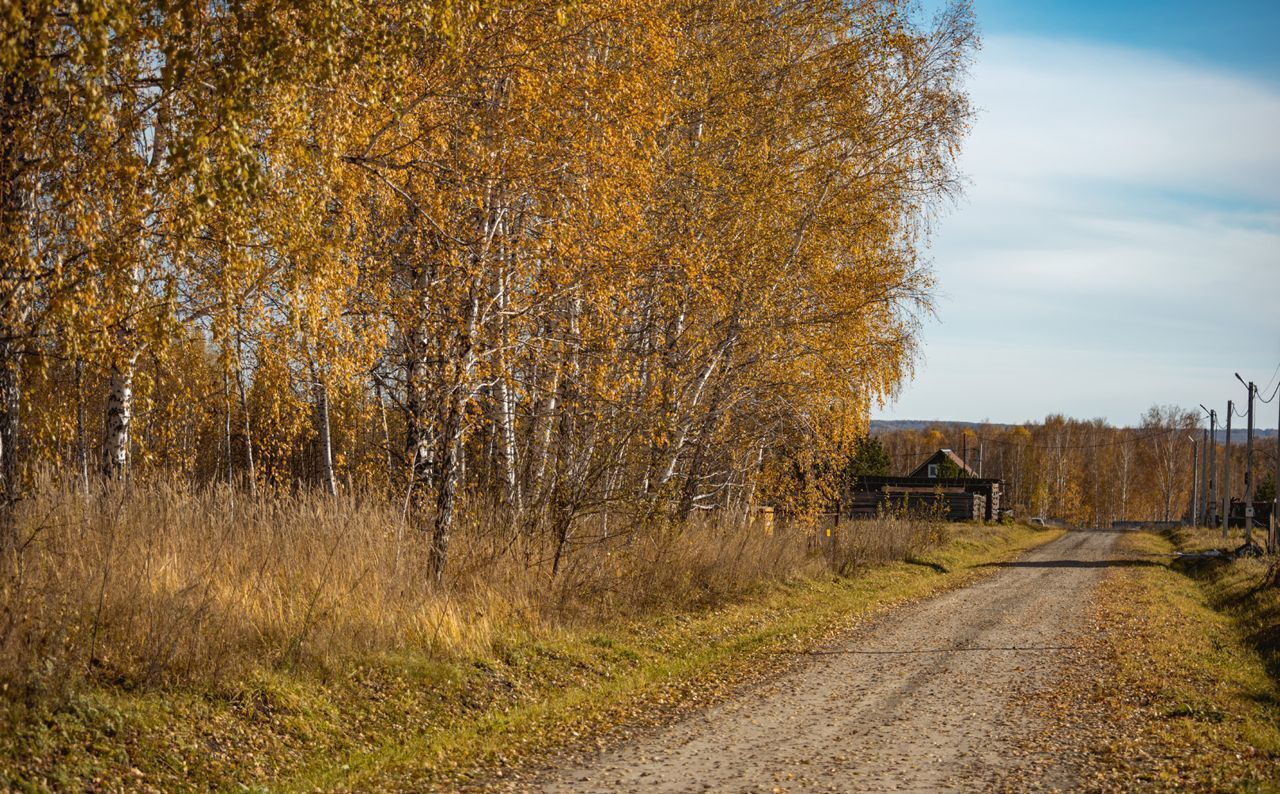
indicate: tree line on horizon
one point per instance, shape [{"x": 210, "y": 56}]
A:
[
  {"x": 548, "y": 259},
  {"x": 1090, "y": 472}
]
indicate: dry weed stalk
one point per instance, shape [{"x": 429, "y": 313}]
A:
[{"x": 171, "y": 583}]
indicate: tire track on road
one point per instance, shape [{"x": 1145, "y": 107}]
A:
[{"x": 926, "y": 697}]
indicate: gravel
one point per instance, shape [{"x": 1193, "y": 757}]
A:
[{"x": 932, "y": 696}]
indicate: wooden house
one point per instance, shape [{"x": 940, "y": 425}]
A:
[{"x": 942, "y": 486}]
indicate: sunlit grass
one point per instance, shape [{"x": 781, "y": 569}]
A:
[
  {"x": 183, "y": 635},
  {"x": 1192, "y": 685}
]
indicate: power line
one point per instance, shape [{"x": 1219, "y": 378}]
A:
[{"x": 1272, "y": 380}]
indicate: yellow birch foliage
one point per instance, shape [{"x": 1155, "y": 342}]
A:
[{"x": 634, "y": 258}]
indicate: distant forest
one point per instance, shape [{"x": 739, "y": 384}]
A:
[
  {"x": 881, "y": 426},
  {"x": 1088, "y": 471}
]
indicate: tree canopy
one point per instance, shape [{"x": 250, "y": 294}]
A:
[{"x": 621, "y": 259}]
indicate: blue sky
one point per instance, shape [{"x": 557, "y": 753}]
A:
[
  {"x": 1119, "y": 241},
  {"x": 1235, "y": 33}
]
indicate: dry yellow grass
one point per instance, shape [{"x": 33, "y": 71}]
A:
[
  {"x": 164, "y": 583},
  {"x": 183, "y": 639}
]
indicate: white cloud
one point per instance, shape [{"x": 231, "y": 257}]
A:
[
  {"x": 1123, "y": 218},
  {"x": 1106, "y": 114}
]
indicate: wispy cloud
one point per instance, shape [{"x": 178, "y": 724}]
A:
[
  {"x": 1124, "y": 214},
  {"x": 1085, "y": 113}
]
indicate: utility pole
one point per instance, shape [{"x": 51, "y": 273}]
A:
[
  {"x": 1195, "y": 493},
  {"x": 1274, "y": 545},
  {"x": 1226, "y": 473},
  {"x": 1202, "y": 505},
  {"x": 1211, "y": 480},
  {"x": 1248, "y": 467}
]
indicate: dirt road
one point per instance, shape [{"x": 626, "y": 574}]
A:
[{"x": 932, "y": 696}]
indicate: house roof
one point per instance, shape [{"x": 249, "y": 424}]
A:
[{"x": 943, "y": 454}]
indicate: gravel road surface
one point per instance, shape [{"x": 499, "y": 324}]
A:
[{"x": 932, "y": 696}]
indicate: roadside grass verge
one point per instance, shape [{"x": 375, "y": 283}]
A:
[
  {"x": 1180, "y": 695},
  {"x": 414, "y": 716},
  {"x": 1248, "y": 590}
]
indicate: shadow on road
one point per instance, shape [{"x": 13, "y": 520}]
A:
[
  {"x": 958, "y": 649},
  {"x": 1126, "y": 563}
]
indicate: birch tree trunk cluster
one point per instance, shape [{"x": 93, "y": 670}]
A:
[{"x": 580, "y": 265}]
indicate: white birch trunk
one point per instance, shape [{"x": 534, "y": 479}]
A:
[
  {"x": 693, "y": 477},
  {"x": 228, "y": 445},
  {"x": 251, "y": 474},
  {"x": 507, "y": 445},
  {"x": 505, "y": 408},
  {"x": 723, "y": 353},
  {"x": 119, "y": 413},
  {"x": 419, "y": 448},
  {"x": 324, "y": 436},
  {"x": 119, "y": 418},
  {"x": 543, "y": 426}
]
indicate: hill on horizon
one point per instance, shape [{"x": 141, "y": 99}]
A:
[{"x": 1238, "y": 434}]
